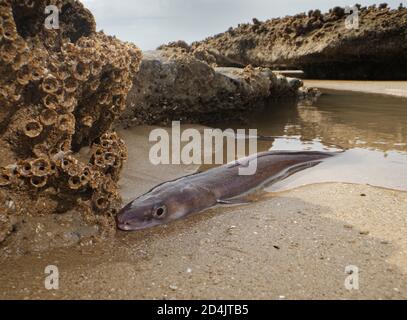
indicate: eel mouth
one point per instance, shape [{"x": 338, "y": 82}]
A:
[
  {"x": 129, "y": 226},
  {"x": 125, "y": 227}
]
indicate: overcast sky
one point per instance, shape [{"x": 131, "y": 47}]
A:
[{"x": 149, "y": 23}]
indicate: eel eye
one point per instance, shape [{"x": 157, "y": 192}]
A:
[{"x": 160, "y": 212}]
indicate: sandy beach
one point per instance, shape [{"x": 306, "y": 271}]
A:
[
  {"x": 291, "y": 245},
  {"x": 393, "y": 88}
]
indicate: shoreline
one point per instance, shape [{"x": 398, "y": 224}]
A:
[{"x": 391, "y": 88}]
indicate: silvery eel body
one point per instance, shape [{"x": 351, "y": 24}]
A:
[{"x": 222, "y": 185}]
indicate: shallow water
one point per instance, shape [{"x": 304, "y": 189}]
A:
[{"x": 372, "y": 129}]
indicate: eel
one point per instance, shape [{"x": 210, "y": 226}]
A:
[{"x": 223, "y": 185}]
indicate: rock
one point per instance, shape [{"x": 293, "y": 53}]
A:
[
  {"x": 42, "y": 233},
  {"x": 320, "y": 44},
  {"x": 60, "y": 91},
  {"x": 5, "y": 227},
  {"x": 173, "y": 84}
]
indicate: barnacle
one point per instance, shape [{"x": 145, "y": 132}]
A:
[
  {"x": 80, "y": 71},
  {"x": 24, "y": 75},
  {"x": 99, "y": 161},
  {"x": 123, "y": 154},
  {"x": 21, "y": 60},
  {"x": 107, "y": 144},
  {"x": 66, "y": 122},
  {"x": 63, "y": 74},
  {"x": 109, "y": 154},
  {"x": 94, "y": 84},
  {"x": 14, "y": 92},
  {"x": 29, "y": 3},
  {"x": 48, "y": 117},
  {"x": 109, "y": 187},
  {"x": 68, "y": 102},
  {"x": 69, "y": 49},
  {"x": 38, "y": 182},
  {"x": 37, "y": 73},
  {"x": 74, "y": 170},
  {"x": 100, "y": 201},
  {"x": 10, "y": 31},
  {"x": 8, "y": 52},
  {"x": 120, "y": 102},
  {"x": 50, "y": 84},
  {"x": 65, "y": 146},
  {"x": 96, "y": 68},
  {"x": 40, "y": 167},
  {"x": 32, "y": 128},
  {"x": 86, "y": 176},
  {"x": 24, "y": 168},
  {"x": 4, "y": 179},
  {"x": 68, "y": 162},
  {"x": 75, "y": 182},
  {"x": 70, "y": 84},
  {"x": 109, "y": 158},
  {"x": 117, "y": 76},
  {"x": 104, "y": 98},
  {"x": 50, "y": 101},
  {"x": 61, "y": 149},
  {"x": 98, "y": 151},
  {"x": 95, "y": 179},
  {"x": 87, "y": 121}
]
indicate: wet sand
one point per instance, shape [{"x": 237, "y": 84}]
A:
[
  {"x": 291, "y": 245},
  {"x": 393, "y": 88}
]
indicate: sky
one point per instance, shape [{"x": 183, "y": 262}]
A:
[{"x": 150, "y": 23}]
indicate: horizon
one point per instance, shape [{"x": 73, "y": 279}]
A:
[{"x": 150, "y": 23}]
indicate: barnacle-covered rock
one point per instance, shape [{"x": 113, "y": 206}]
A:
[
  {"x": 172, "y": 84},
  {"x": 60, "y": 90},
  {"x": 325, "y": 46}
]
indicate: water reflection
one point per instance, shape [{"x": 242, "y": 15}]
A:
[
  {"x": 345, "y": 119},
  {"x": 371, "y": 128}
]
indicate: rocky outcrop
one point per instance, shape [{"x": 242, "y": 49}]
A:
[
  {"x": 320, "y": 44},
  {"x": 60, "y": 90},
  {"x": 174, "y": 85}
]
